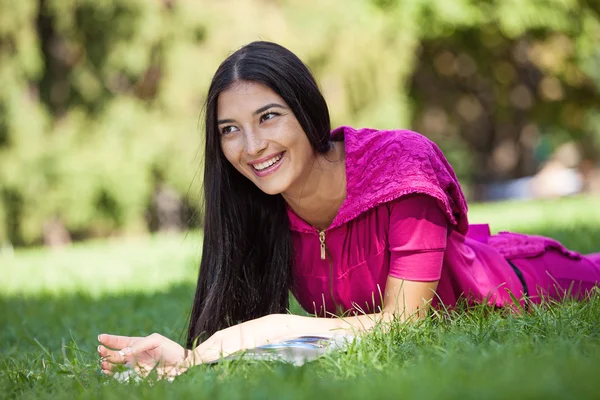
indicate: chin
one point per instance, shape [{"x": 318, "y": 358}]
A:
[
  {"x": 273, "y": 185},
  {"x": 271, "y": 189}
]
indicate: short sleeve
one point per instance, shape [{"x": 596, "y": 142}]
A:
[{"x": 418, "y": 235}]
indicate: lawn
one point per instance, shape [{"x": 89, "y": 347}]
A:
[{"x": 53, "y": 304}]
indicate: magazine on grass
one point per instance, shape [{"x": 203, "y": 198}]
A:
[{"x": 296, "y": 351}]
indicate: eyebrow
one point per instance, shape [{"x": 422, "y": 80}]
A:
[
  {"x": 260, "y": 110},
  {"x": 265, "y": 108}
]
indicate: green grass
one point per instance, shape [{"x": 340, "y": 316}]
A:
[{"x": 54, "y": 303}]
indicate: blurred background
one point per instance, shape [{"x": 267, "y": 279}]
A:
[{"x": 100, "y": 100}]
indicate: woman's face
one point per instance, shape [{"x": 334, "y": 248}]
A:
[{"x": 261, "y": 137}]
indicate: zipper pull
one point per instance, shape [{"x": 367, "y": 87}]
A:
[{"x": 322, "y": 240}]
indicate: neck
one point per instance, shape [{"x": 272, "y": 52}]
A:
[{"x": 318, "y": 197}]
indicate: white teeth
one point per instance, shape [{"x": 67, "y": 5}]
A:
[{"x": 266, "y": 164}]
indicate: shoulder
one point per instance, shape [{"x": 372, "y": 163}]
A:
[
  {"x": 417, "y": 206},
  {"x": 384, "y": 165},
  {"x": 391, "y": 154}
]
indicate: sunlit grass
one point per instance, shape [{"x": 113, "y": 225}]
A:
[
  {"x": 144, "y": 264},
  {"x": 540, "y": 215},
  {"x": 54, "y": 303}
]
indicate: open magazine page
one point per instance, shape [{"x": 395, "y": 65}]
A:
[{"x": 296, "y": 351}]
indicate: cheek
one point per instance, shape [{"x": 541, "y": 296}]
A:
[
  {"x": 295, "y": 138},
  {"x": 230, "y": 152},
  {"x": 305, "y": 151}
]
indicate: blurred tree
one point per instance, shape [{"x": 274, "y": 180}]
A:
[
  {"x": 100, "y": 100},
  {"x": 84, "y": 124},
  {"x": 495, "y": 83}
]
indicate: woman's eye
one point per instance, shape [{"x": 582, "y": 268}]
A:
[
  {"x": 227, "y": 129},
  {"x": 267, "y": 116}
]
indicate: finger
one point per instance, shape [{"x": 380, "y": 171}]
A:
[
  {"x": 142, "y": 370},
  {"x": 116, "y": 341},
  {"x": 113, "y": 356},
  {"x": 169, "y": 373},
  {"x": 107, "y": 367}
]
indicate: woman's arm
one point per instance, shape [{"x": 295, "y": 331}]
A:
[{"x": 404, "y": 300}]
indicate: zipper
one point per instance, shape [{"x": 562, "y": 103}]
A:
[
  {"x": 323, "y": 248},
  {"x": 324, "y": 257}
]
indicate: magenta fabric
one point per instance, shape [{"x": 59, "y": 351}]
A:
[
  {"x": 384, "y": 165},
  {"x": 417, "y": 238},
  {"x": 405, "y": 216}
]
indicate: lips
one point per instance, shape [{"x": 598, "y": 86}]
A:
[{"x": 267, "y": 165}]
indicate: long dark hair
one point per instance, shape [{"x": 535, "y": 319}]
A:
[{"x": 247, "y": 255}]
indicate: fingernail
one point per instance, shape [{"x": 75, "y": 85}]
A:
[
  {"x": 99, "y": 338},
  {"x": 124, "y": 351},
  {"x": 98, "y": 349}
]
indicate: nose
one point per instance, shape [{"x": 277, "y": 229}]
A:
[{"x": 255, "y": 144}]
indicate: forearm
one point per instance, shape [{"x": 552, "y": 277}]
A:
[
  {"x": 339, "y": 325},
  {"x": 277, "y": 327},
  {"x": 259, "y": 332}
]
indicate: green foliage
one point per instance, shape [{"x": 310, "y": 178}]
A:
[
  {"x": 499, "y": 77},
  {"x": 86, "y": 138},
  {"x": 100, "y": 100}
]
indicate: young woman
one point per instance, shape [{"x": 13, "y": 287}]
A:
[{"x": 368, "y": 223}]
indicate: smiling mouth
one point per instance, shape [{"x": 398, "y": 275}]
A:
[{"x": 263, "y": 166}]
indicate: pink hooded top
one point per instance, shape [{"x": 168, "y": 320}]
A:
[{"x": 405, "y": 216}]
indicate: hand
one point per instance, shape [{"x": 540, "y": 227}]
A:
[{"x": 144, "y": 354}]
